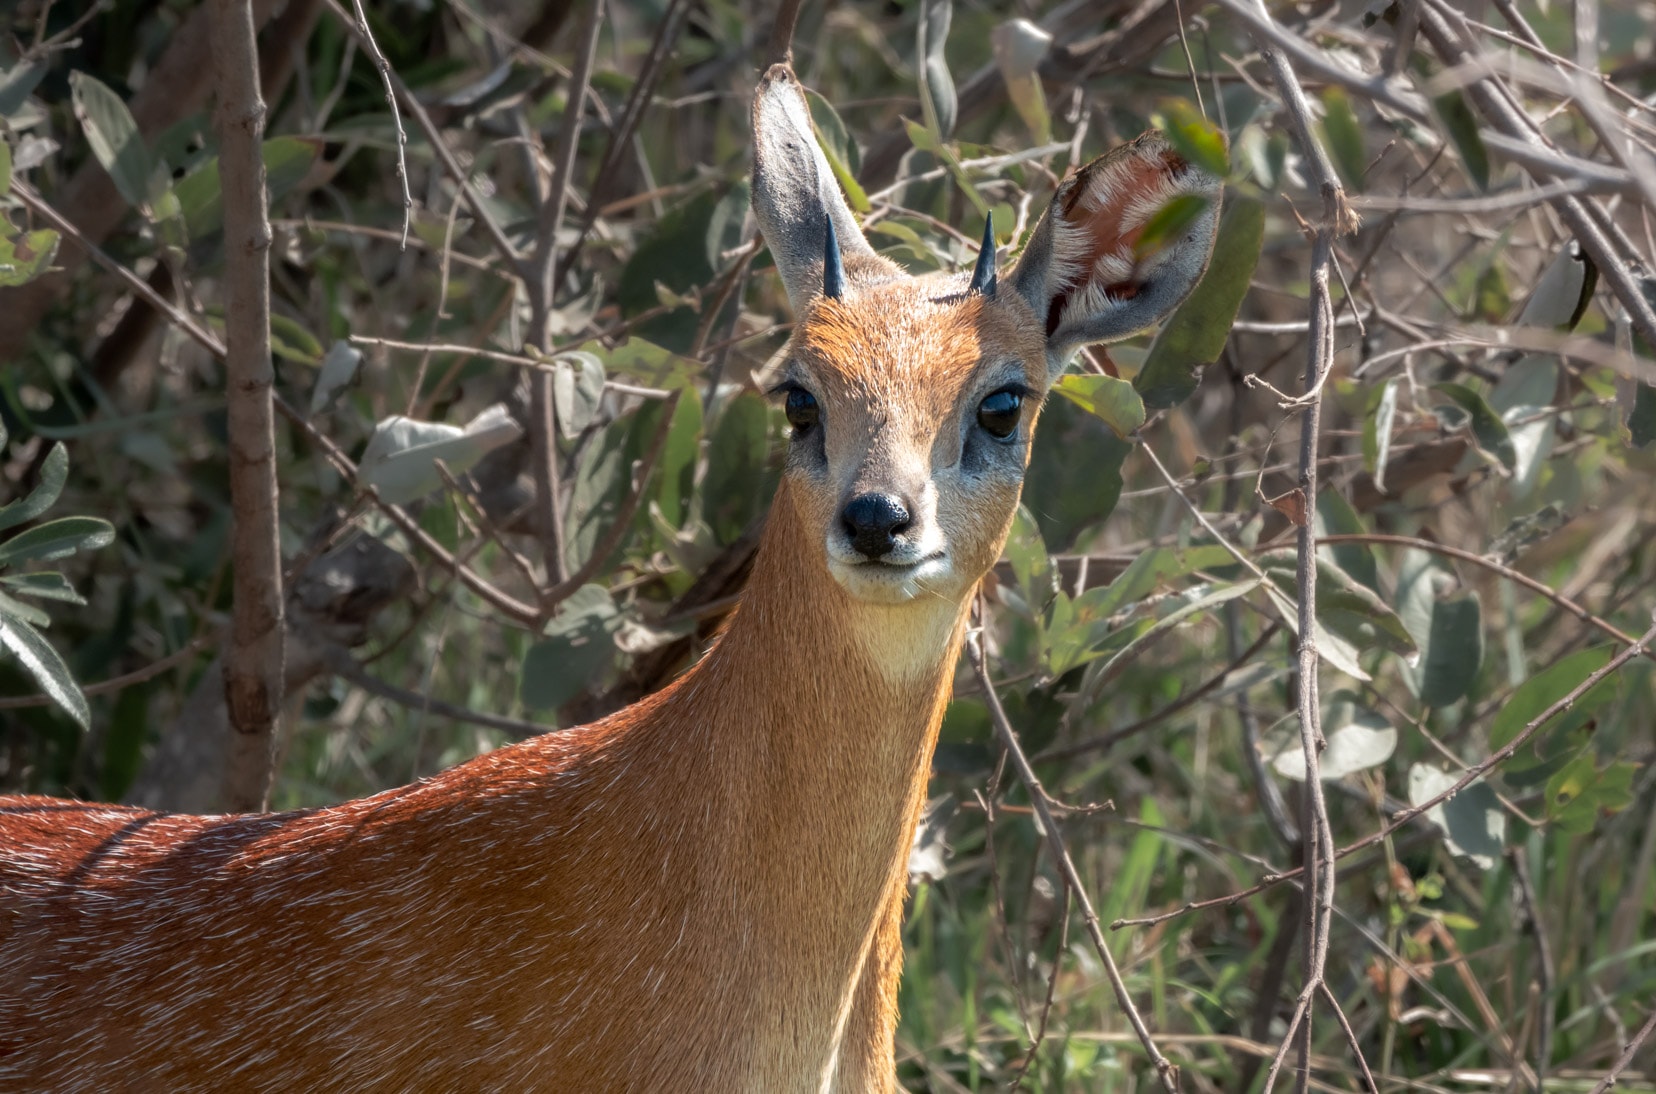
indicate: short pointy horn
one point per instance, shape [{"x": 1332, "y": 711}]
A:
[
  {"x": 983, "y": 274},
  {"x": 833, "y": 267}
]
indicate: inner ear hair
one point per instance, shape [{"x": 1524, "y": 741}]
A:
[{"x": 1084, "y": 271}]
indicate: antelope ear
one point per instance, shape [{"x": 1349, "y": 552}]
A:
[
  {"x": 795, "y": 193},
  {"x": 1083, "y": 270}
]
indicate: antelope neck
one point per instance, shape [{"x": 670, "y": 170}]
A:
[{"x": 815, "y": 759}]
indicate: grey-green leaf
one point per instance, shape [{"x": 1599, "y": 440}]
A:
[
  {"x": 933, "y": 31},
  {"x": 1488, "y": 430},
  {"x": 45, "y": 584},
  {"x": 1472, "y": 821},
  {"x": 577, "y": 391},
  {"x": 1449, "y": 631},
  {"x": 18, "y": 83},
  {"x": 53, "y": 473},
  {"x": 113, "y": 136},
  {"x": 1358, "y": 737},
  {"x": 57, "y": 539},
  {"x": 43, "y": 663},
  {"x": 578, "y": 646}
]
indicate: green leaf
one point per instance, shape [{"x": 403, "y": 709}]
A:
[
  {"x": 1461, "y": 124},
  {"x": 1266, "y": 156},
  {"x": 1195, "y": 138},
  {"x": 601, "y": 480},
  {"x": 200, "y": 194},
  {"x": 1205, "y": 601},
  {"x": 843, "y": 156},
  {"x": 1473, "y": 823},
  {"x": 45, "y": 666},
  {"x": 1031, "y": 565},
  {"x": 290, "y": 341},
  {"x": 25, "y": 256},
  {"x": 578, "y": 646},
  {"x": 1336, "y": 517},
  {"x": 1196, "y": 334},
  {"x": 1345, "y": 606},
  {"x": 1576, "y": 794},
  {"x": 336, "y": 372},
  {"x": 113, "y": 136},
  {"x": 724, "y": 225},
  {"x": 1150, "y": 570},
  {"x": 1640, "y": 421},
  {"x": 57, "y": 539},
  {"x": 1549, "y": 686},
  {"x": 5, "y": 168},
  {"x": 45, "y": 584},
  {"x": 1077, "y": 631},
  {"x": 28, "y": 613},
  {"x": 54, "y": 472},
  {"x": 1113, "y": 401},
  {"x": 1487, "y": 428},
  {"x": 738, "y": 483},
  {"x": 928, "y": 141},
  {"x": 1345, "y": 137},
  {"x": 1529, "y": 385},
  {"x": 679, "y": 458},
  {"x": 1561, "y": 296},
  {"x": 674, "y": 252}
]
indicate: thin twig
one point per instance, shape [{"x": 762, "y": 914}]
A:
[
  {"x": 517, "y": 359},
  {"x": 1627, "y": 1055},
  {"x": 539, "y": 279},
  {"x": 780, "y": 49},
  {"x": 1165, "y": 1069},
  {"x": 367, "y": 37}
]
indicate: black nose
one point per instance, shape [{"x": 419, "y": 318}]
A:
[{"x": 873, "y": 523}]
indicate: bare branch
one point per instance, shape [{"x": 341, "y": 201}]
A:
[
  {"x": 253, "y": 654},
  {"x": 384, "y": 67}
]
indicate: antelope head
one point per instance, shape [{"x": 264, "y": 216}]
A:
[{"x": 913, "y": 400}]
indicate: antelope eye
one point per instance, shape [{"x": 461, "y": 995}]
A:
[
  {"x": 998, "y": 413},
  {"x": 802, "y": 410}
]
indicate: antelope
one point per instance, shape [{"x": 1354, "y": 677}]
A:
[{"x": 704, "y": 891}]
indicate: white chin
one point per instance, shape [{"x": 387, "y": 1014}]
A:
[{"x": 879, "y": 583}]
